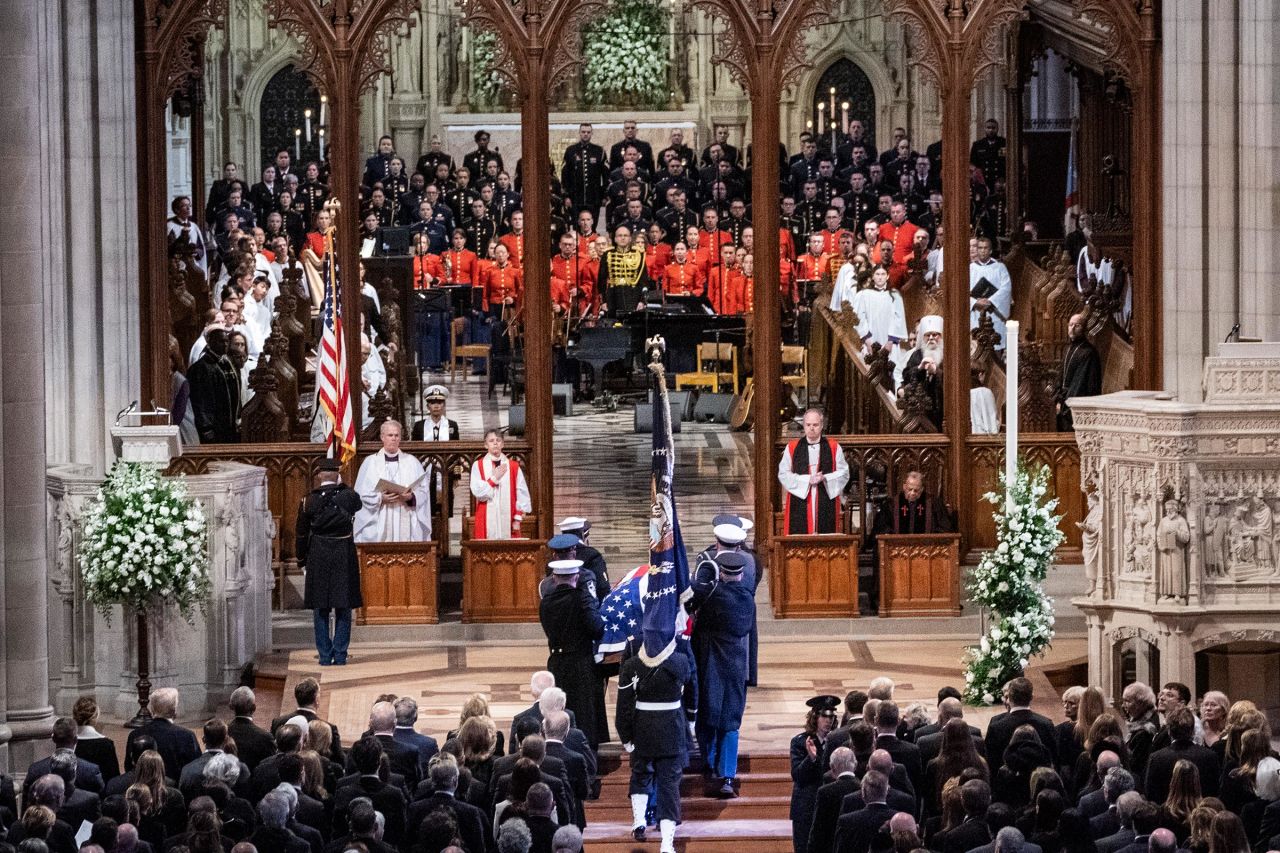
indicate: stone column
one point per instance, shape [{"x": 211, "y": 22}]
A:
[
  {"x": 24, "y": 662},
  {"x": 1259, "y": 163}
]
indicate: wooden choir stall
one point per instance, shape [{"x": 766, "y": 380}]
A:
[
  {"x": 919, "y": 574},
  {"x": 815, "y": 575},
  {"x": 500, "y": 577}
]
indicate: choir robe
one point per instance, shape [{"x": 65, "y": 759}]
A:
[
  {"x": 376, "y": 522},
  {"x": 810, "y": 509},
  {"x": 461, "y": 266},
  {"x": 501, "y": 283},
  {"x": 1002, "y": 300},
  {"x": 846, "y": 287},
  {"x": 881, "y": 317},
  {"x": 515, "y": 247},
  {"x": 498, "y": 502},
  {"x": 683, "y": 278}
]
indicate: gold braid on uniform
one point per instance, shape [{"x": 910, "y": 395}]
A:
[{"x": 625, "y": 267}]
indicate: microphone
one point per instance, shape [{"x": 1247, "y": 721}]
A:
[
  {"x": 1233, "y": 334},
  {"x": 126, "y": 411}
]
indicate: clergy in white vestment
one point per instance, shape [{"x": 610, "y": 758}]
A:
[
  {"x": 387, "y": 514},
  {"x": 814, "y": 473},
  {"x": 500, "y": 490},
  {"x": 900, "y": 355},
  {"x": 933, "y": 274},
  {"x": 985, "y": 266},
  {"x": 373, "y": 377},
  {"x": 881, "y": 317},
  {"x": 257, "y": 309},
  {"x": 846, "y": 286}
]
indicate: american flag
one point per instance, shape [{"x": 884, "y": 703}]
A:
[
  {"x": 623, "y": 609},
  {"x": 333, "y": 386}
]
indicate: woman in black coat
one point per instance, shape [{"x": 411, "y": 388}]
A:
[{"x": 806, "y": 767}]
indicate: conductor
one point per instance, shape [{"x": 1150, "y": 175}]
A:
[{"x": 327, "y": 554}]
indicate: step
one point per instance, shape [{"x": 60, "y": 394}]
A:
[
  {"x": 696, "y": 836},
  {"x": 693, "y": 785},
  {"x": 695, "y": 806}
]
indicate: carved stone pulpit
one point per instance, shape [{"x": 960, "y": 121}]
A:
[{"x": 1182, "y": 541}]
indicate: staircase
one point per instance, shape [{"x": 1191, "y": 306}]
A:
[{"x": 755, "y": 821}]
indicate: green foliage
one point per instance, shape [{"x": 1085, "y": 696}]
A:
[
  {"x": 625, "y": 56},
  {"x": 144, "y": 543},
  {"x": 487, "y": 85},
  {"x": 1008, "y": 582}
]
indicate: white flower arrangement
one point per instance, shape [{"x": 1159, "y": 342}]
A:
[
  {"x": 487, "y": 86},
  {"x": 143, "y": 543},
  {"x": 625, "y": 56},
  {"x": 1008, "y": 582}
]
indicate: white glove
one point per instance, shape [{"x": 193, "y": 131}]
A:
[
  {"x": 629, "y": 747},
  {"x": 693, "y": 735}
]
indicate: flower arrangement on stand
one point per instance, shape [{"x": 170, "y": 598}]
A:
[
  {"x": 143, "y": 545},
  {"x": 625, "y": 56},
  {"x": 1008, "y": 582}
]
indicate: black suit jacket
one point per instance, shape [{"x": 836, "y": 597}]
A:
[
  {"x": 335, "y": 749},
  {"x": 1105, "y": 824},
  {"x": 576, "y": 768},
  {"x": 386, "y": 798},
  {"x": 88, "y": 776},
  {"x": 102, "y": 752},
  {"x": 827, "y": 809},
  {"x": 899, "y": 800},
  {"x": 1092, "y": 804},
  {"x": 80, "y": 806},
  {"x": 930, "y": 744},
  {"x": 1160, "y": 769},
  {"x": 1115, "y": 841},
  {"x": 176, "y": 745},
  {"x": 968, "y": 835},
  {"x": 253, "y": 743},
  {"x": 1002, "y": 726},
  {"x": 473, "y": 826},
  {"x": 559, "y": 791},
  {"x": 403, "y": 758},
  {"x": 906, "y": 754},
  {"x": 543, "y": 829},
  {"x": 855, "y": 831}
]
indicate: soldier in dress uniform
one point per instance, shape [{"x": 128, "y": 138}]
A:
[
  {"x": 725, "y": 613},
  {"x": 988, "y": 153},
  {"x": 478, "y": 161},
  {"x": 311, "y": 196},
  {"x": 592, "y": 560},
  {"x": 378, "y": 167},
  {"x": 570, "y": 618},
  {"x": 730, "y": 533},
  {"x": 623, "y": 277},
  {"x": 428, "y": 162},
  {"x": 651, "y": 724},
  {"x": 585, "y": 172},
  {"x": 327, "y": 555},
  {"x": 480, "y": 228}
]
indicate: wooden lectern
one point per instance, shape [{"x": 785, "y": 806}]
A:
[
  {"x": 815, "y": 575},
  {"x": 500, "y": 576},
  {"x": 398, "y": 581},
  {"x": 919, "y": 574}
]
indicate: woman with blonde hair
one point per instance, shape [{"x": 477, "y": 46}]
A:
[
  {"x": 320, "y": 740},
  {"x": 1200, "y": 822},
  {"x": 165, "y": 806},
  {"x": 1214, "y": 707},
  {"x": 1106, "y": 733},
  {"x": 1239, "y": 781},
  {"x": 314, "y": 781},
  {"x": 478, "y": 737},
  {"x": 477, "y": 706},
  {"x": 1243, "y": 717},
  {"x": 91, "y": 745}
]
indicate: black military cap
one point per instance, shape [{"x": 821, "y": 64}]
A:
[
  {"x": 329, "y": 465},
  {"x": 732, "y": 562},
  {"x": 825, "y": 705}
]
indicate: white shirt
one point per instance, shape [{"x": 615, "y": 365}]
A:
[
  {"x": 798, "y": 484},
  {"x": 1002, "y": 300}
]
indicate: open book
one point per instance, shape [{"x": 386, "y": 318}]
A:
[{"x": 388, "y": 486}]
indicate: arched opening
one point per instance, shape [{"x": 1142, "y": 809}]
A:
[
  {"x": 1243, "y": 668},
  {"x": 282, "y": 119},
  {"x": 1136, "y": 659},
  {"x": 844, "y": 82}
]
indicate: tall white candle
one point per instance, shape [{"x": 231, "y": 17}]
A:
[
  {"x": 297, "y": 143},
  {"x": 306, "y": 114},
  {"x": 321, "y": 136},
  {"x": 844, "y": 117},
  {"x": 324, "y": 108},
  {"x": 1010, "y": 410}
]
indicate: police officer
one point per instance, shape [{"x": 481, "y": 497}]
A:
[
  {"x": 327, "y": 554},
  {"x": 592, "y": 560},
  {"x": 571, "y": 619},
  {"x": 726, "y": 610},
  {"x": 585, "y": 172},
  {"x": 651, "y": 724}
]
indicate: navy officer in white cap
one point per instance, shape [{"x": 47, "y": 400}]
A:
[
  {"x": 592, "y": 560},
  {"x": 730, "y": 532},
  {"x": 435, "y": 426},
  {"x": 570, "y": 618}
]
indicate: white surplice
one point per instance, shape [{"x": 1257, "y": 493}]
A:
[
  {"x": 846, "y": 287},
  {"x": 798, "y": 483},
  {"x": 379, "y": 522},
  {"x": 983, "y": 418},
  {"x": 1002, "y": 300},
  {"x": 881, "y": 317},
  {"x": 495, "y": 504}
]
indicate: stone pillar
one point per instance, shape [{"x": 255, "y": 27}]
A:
[
  {"x": 24, "y": 664},
  {"x": 1258, "y": 156}
]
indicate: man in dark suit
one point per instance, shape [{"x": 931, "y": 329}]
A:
[
  {"x": 267, "y": 774},
  {"x": 1115, "y": 784},
  {"x": 1146, "y": 820},
  {"x": 1181, "y": 726},
  {"x": 827, "y": 806},
  {"x": 273, "y": 832},
  {"x": 363, "y": 822},
  {"x": 77, "y": 805},
  {"x": 1017, "y": 699},
  {"x": 473, "y": 827},
  {"x": 1093, "y": 800},
  {"x": 176, "y": 745},
  {"x": 1125, "y": 807},
  {"x": 405, "y": 733},
  {"x": 540, "y": 681},
  {"x": 253, "y": 743},
  {"x": 191, "y": 780},
  {"x": 855, "y": 831},
  {"x": 307, "y": 693},
  {"x": 309, "y": 811},
  {"x": 975, "y": 795},
  {"x": 555, "y": 726},
  {"x": 553, "y": 771},
  {"x": 902, "y": 752},
  {"x": 1000, "y": 816},
  {"x": 944, "y": 694},
  {"x": 88, "y": 776},
  {"x": 554, "y": 699},
  {"x": 404, "y": 758},
  {"x": 366, "y": 755},
  {"x": 929, "y": 738},
  {"x": 542, "y": 826}
]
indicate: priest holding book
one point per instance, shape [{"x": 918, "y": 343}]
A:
[{"x": 394, "y": 494}]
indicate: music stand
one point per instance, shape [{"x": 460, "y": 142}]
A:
[{"x": 433, "y": 299}]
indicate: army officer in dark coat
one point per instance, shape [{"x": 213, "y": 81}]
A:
[
  {"x": 570, "y": 617},
  {"x": 327, "y": 553}
]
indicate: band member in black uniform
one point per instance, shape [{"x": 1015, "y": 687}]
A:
[
  {"x": 571, "y": 619},
  {"x": 585, "y": 172},
  {"x": 327, "y": 554}
]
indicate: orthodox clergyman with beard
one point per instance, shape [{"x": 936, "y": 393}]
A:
[
  {"x": 925, "y": 365},
  {"x": 1081, "y": 372}
]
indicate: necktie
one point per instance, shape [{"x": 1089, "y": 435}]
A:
[{"x": 436, "y": 432}]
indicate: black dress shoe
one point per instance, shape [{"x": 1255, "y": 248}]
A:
[
  {"x": 638, "y": 833},
  {"x": 726, "y": 791}
]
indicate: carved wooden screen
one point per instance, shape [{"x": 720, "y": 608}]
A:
[{"x": 285, "y": 97}]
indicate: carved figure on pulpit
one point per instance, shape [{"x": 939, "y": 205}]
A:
[
  {"x": 231, "y": 520},
  {"x": 1091, "y": 541},
  {"x": 1263, "y": 524},
  {"x": 1139, "y": 535},
  {"x": 1215, "y": 542},
  {"x": 1240, "y": 541},
  {"x": 1172, "y": 537}
]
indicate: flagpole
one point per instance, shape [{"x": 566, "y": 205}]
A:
[{"x": 1010, "y": 411}]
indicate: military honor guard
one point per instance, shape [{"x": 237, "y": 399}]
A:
[
  {"x": 730, "y": 532},
  {"x": 571, "y": 620},
  {"x": 500, "y": 490},
  {"x": 327, "y": 555},
  {"x": 814, "y": 472},
  {"x": 435, "y": 426},
  {"x": 593, "y": 563},
  {"x": 724, "y": 615},
  {"x": 806, "y": 767}
]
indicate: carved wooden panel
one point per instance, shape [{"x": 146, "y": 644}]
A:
[
  {"x": 398, "y": 581},
  {"x": 500, "y": 579},
  {"x": 919, "y": 574},
  {"x": 816, "y": 575}
]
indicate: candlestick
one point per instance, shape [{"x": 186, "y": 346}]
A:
[
  {"x": 1010, "y": 411},
  {"x": 833, "y": 102},
  {"x": 297, "y": 143},
  {"x": 321, "y": 135},
  {"x": 306, "y": 115},
  {"x": 808, "y": 125},
  {"x": 844, "y": 117},
  {"x": 324, "y": 106}
]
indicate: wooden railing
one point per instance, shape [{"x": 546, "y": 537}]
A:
[{"x": 291, "y": 466}]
